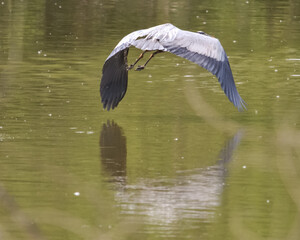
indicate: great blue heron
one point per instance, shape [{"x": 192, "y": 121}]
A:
[{"x": 198, "y": 47}]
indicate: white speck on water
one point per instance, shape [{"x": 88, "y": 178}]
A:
[
  {"x": 277, "y": 96},
  {"x": 50, "y": 114},
  {"x": 1, "y": 127},
  {"x": 2, "y": 3},
  {"x": 234, "y": 41},
  {"x": 59, "y": 6},
  {"x": 149, "y": 81},
  {"x": 89, "y": 132},
  {"x": 45, "y": 55},
  {"x": 206, "y": 11},
  {"x": 176, "y": 139},
  {"x": 244, "y": 166},
  {"x": 276, "y": 70},
  {"x": 149, "y": 76},
  {"x": 80, "y": 132},
  {"x": 197, "y": 16},
  {"x": 67, "y": 101},
  {"x": 247, "y": 2},
  {"x": 40, "y": 51},
  {"x": 268, "y": 201},
  {"x": 293, "y": 59},
  {"x": 188, "y": 76},
  {"x": 204, "y": 23},
  {"x": 76, "y": 193},
  {"x": 73, "y": 128}
]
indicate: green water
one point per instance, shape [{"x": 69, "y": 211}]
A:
[{"x": 175, "y": 159}]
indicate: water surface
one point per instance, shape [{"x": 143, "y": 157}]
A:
[{"x": 175, "y": 159}]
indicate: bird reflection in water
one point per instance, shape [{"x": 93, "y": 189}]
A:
[
  {"x": 192, "y": 194},
  {"x": 113, "y": 151}
]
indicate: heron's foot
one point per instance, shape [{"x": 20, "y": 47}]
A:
[
  {"x": 130, "y": 67},
  {"x": 139, "y": 68}
]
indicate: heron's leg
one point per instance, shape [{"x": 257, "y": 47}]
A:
[
  {"x": 136, "y": 61},
  {"x": 139, "y": 68}
]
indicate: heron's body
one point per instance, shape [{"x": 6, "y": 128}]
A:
[{"x": 200, "y": 48}]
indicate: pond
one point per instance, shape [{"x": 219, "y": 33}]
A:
[{"x": 175, "y": 159}]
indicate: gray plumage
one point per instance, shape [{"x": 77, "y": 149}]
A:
[{"x": 197, "y": 47}]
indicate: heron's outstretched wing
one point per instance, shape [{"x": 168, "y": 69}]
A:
[
  {"x": 114, "y": 80},
  {"x": 208, "y": 53}
]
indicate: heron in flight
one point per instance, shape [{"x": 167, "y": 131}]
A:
[{"x": 197, "y": 47}]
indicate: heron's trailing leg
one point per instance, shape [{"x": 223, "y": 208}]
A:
[
  {"x": 139, "y": 68},
  {"x": 136, "y": 61}
]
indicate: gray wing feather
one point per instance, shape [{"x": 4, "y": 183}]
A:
[
  {"x": 208, "y": 53},
  {"x": 145, "y": 39}
]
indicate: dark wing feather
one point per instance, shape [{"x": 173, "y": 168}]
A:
[
  {"x": 219, "y": 68},
  {"x": 114, "y": 80}
]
